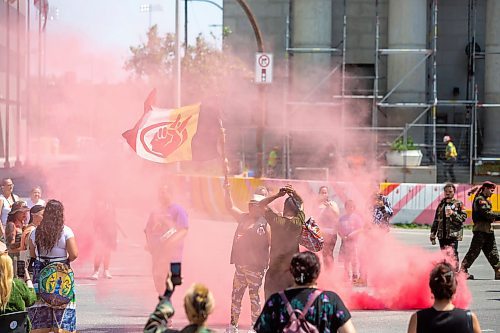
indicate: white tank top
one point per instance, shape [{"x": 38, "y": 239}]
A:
[{"x": 6, "y": 207}]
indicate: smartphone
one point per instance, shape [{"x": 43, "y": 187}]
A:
[
  {"x": 21, "y": 269},
  {"x": 175, "y": 269}
]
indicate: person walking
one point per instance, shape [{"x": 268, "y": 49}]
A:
[
  {"x": 325, "y": 309},
  {"x": 165, "y": 231},
  {"x": 443, "y": 316},
  {"x": 53, "y": 245},
  {"x": 448, "y": 221},
  {"x": 327, "y": 213},
  {"x": 105, "y": 239},
  {"x": 273, "y": 162},
  {"x": 249, "y": 254},
  {"x": 450, "y": 159},
  {"x": 483, "y": 238},
  {"x": 286, "y": 229}
]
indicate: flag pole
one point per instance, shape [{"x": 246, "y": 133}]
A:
[
  {"x": 177, "y": 55},
  {"x": 225, "y": 162}
]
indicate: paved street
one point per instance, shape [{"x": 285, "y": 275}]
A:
[{"x": 123, "y": 303}]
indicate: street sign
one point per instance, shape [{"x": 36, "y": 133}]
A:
[{"x": 263, "y": 67}]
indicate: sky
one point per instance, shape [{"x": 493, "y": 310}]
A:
[{"x": 115, "y": 25}]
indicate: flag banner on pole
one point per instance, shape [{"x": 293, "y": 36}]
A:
[{"x": 165, "y": 135}]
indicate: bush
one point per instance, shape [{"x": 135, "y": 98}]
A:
[{"x": 399, "y": 145}]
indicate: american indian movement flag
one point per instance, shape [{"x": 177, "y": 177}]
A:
[{"x": 173, "y": 135}]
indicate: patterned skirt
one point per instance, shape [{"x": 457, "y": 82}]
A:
[{"x": 45, "y": 318}]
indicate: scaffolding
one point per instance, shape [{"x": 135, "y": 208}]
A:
[{"x": 381, "y": 102}]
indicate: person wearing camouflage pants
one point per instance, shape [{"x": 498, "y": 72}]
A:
[{"x": 483, "y": 238}]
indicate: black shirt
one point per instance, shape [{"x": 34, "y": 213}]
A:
[{"x": 455, "y": 321}]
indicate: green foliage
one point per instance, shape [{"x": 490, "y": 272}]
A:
[
  {"x": 155, "y": 57},
  {"x": 399, "y": 145},
  {"x": 205, "y": 69}
]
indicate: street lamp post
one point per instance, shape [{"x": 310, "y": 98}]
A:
[{"x": 150, "y": 8}]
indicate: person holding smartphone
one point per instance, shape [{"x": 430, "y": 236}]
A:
[
  {"x": 198, "y": 304},
  {"x": 448, "y": 221}
]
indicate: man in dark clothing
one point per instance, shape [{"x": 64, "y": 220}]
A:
[
  {"x": 250, "y": 255},
  {"x": 483, "y": 236},
  {"x": 448, "y": 221},
  {"x": 285, "y": 230}
]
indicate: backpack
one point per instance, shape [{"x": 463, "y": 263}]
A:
[
  {"x": 298, "y": 322},
  {"x": 56, "y": 284},
  {"x": 311, "y": 237}
]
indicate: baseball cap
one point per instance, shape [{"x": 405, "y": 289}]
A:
[{"x": 257, "y": 198}]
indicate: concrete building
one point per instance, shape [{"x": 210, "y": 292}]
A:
[
  {"x": 13, "y": 90},
  {"x": 422, "y": 68}
]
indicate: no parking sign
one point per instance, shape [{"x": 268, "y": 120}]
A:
[{"x": 263, "y": 67}]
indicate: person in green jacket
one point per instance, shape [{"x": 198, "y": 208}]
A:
[
  {"x": 15, "y": 294},
  {"x": 198, "y": 304},
  {"x": 448, "y": 221},
  {"x": 483, "y": 236}
]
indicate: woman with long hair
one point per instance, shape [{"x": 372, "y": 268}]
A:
[
  {"x": 53, "y": 246},
  {"x": 15, "y": 294},
  {"x": 483, "y": 236},
  {"x": 443, "y": 316},
  {"x": 198, "y": 304},
  {"x": 14, "y": 229}
]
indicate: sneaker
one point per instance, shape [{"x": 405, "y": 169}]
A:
[
  {"x": 95, "y": 276},
  {"x": 232, "y": 329},
  {"x": 107, "y": 274}
]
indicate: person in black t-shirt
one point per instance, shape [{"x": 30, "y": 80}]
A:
[
  {"x": 250, "y": 255},
  {"x": 443, "y": 316},
  {"x": 327, "y": 313}
]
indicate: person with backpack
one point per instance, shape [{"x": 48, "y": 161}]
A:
[
  {"x": 443, "y": 316},
  {"x": 304, "y": 307},
  {"x": 53, "y": 247}
]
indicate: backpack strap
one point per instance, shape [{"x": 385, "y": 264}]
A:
[
  {"x": 288, "y": 305},
  {"x": 312, "y": 298}
]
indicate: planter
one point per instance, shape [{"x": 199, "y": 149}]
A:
[{"x": 404, "y": 158}]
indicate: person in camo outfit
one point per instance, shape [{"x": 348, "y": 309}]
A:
[
  {"x": 483, "y": 236},
  {"x": 250, "y": 255},
  {"x": 448, "y": 221}
]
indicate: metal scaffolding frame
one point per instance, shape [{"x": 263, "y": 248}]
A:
[{"x": 380, "y": 102}]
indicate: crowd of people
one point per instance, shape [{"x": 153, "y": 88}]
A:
[
  {"x": 36, "y": 249},
  {"x": 266, "y": 248}
]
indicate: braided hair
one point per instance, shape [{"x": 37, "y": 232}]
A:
[
  {"x": 305, "y": 267},
  {"x": 476, "y": 190},
  {"x": 198, "y": 304},
  {"x": 443, "y": 282}
]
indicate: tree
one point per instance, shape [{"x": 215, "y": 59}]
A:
[{"x": 206, "y": 70}]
